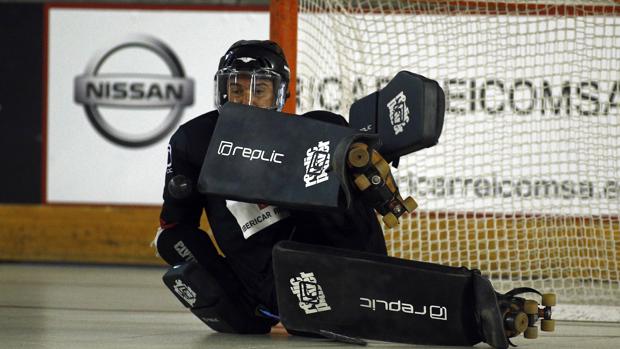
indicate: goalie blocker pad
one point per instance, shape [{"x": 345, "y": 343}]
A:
[
  {"x": 276, "y": 159},
  {"x": 357, "y": 294},
  {"x": 407, "y": 114}
]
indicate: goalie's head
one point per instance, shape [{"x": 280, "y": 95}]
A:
[{"x": 253, "y": 72}]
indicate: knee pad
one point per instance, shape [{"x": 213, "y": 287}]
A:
[{"x": 219, "y": 306}]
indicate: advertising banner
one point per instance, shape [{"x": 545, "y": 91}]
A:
[
  {"x": 120, "y": 82},
  {"x": 532, "y": 104}
]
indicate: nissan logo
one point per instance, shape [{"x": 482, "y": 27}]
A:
[{"x": 134, "y": 91}]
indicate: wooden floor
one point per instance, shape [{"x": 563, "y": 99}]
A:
[{"x": 69, "y": 306}]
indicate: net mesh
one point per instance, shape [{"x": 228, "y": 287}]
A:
[{"x": 524, "y": 183}]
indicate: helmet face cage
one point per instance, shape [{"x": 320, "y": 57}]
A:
[
  {"x": 248, "y": 67},
  {"x": 262, "y": 88}
]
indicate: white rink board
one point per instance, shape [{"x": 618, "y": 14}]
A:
[
  {"x": 511, "y": 142},
  {"x": 82, "y": 165}
]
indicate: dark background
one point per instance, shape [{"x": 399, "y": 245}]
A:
[{"x": 21, "y": 92}]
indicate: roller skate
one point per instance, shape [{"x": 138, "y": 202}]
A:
[
  {"x": 521, "y": 315},
  {"x": 372, "y": 176}
]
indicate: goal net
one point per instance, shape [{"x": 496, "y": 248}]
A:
[{"x": 525, "y": 181}]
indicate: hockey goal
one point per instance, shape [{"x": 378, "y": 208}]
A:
[{"x": 525, "y": 181}]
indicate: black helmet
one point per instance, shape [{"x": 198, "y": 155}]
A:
[{"x": 258, "y": 63}]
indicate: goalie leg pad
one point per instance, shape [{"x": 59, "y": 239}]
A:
[
  {"x": 222, "y": 308},
  {"x": 371, "y": 296}
]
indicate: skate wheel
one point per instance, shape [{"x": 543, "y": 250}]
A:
[
  {"x": 410, "y": 204},
  {"x": 531, "y": 332},
  {"x": 390, "y": 220},
  {"x": 547, "y": 325},
  {"x": 383, "y": 167},
  {"x": 548, "y": 299},
  {"x": 520, "y": 322},
  {"x": 358, "y": 155},
  {"x": 530, "y": 307},
  {"x": 362, "y": 182}
]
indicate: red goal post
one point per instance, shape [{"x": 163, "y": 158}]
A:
[{"x": 283, "y": 30}]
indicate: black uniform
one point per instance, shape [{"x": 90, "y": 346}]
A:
[{"x": 247, "y": 260}]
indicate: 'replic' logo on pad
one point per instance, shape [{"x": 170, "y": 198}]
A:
[{"x": 227, "y": 148}]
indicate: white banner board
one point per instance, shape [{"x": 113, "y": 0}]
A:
[
  {"x": 119, "y": 83},
  {"x": 532, "y": 121}
]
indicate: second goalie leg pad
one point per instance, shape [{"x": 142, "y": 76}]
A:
[
  {"x": 223, "y": 308},
  {"x": 371, "y": 296},
  {"x": 407, "y": 114}
]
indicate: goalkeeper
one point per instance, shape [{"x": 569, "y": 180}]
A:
[{"x": 252, "y": 73}]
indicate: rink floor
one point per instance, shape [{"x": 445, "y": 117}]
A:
[{"x": 71, "y": 307}]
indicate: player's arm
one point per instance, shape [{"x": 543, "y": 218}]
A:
[
  {"x": 182, "y": 203},
  {"x": 179, "y": 238}
]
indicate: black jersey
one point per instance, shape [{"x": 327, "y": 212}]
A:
[{"x": 249, "y": 256}]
